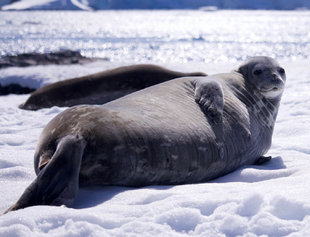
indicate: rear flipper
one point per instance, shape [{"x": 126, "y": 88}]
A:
[{"x": 58, "y": 182}]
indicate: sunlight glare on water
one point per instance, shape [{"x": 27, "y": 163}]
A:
[{"x": 159, "y": 36}]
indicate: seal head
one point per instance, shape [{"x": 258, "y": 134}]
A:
[{"x": 265, "y": 74}]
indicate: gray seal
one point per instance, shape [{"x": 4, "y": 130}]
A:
[
  {"x": 187, "y": 130},
  {"x": 101, "y": 87}
]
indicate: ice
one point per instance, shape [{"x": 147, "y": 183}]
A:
[{"x": 267, "y": 200}]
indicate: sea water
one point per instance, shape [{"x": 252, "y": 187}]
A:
[{"x": 159, "y": 36}]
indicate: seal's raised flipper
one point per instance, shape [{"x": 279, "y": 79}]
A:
[
  {"x": 209, "y": 95},
  {"x": 262, "y": 160},
  {"x": 57, "y": 183}
]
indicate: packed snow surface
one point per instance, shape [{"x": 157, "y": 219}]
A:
[{"x": 268, "y": 200}]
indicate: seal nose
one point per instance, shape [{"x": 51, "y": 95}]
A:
[
  {"x": 275, "y": 78},
  {"x": 276, "y": 81}
]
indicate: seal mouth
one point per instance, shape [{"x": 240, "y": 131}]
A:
[
  {"x": 272, "y": 92},
  {"x": 273, "y": 89}
]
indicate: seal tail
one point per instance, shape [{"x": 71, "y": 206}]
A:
[{"x": 58, "y": 182}]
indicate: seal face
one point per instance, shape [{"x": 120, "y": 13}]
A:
[
  {"x": 187, "y": 130},
  {"x": 101, "y": 87},
  {"x": 268, "y": 79}
]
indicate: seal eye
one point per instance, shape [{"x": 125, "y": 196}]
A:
[
  {"x": 257, "y": 72},
  {"x": 281, "y": 70}
]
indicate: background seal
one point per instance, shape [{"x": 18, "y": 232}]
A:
[{"x": 101, "y": 87}]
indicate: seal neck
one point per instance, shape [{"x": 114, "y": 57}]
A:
[{"x": 263, "y": 111}]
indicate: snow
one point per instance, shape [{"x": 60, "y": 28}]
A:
[
  {"x": 267, "y": 200},
  {"x": 153, "y": 4}
]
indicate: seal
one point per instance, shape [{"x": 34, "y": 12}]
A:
[
  {"x": 187, "y": 130},
  {"x": 101, "y": 87}
]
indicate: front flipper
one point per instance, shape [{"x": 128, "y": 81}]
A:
[
  {"x": 57, "y": 183},
  {"x": 209, "y": 95},
  {"x": 262, "y": 160}
]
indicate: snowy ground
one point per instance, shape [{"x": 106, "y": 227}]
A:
[{"x": 268, "y": 200}]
